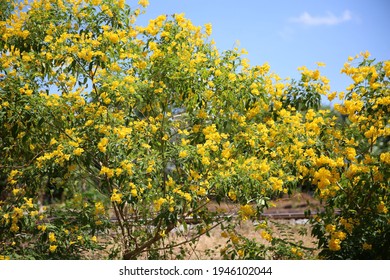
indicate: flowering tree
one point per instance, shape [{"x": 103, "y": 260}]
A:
[
  {"x": 141, "y": 128},
  {"x": 359, "y": 188}
]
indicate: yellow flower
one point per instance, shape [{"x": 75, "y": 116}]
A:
[
  {"x": 88, "y": 122},
  {"x": 226, "y": 153},
  {"x": 232, "y": 195},
  {"x": 246, "y": 211},
  {"x": 118, "y": 171},
  {"x": 206, "y": 161},
  {"x": 277, "y": 184},
  {"x": 146, "y": 146},
  {"x": 96, "y": 2},
  {"x": 334, "y": 244},
  {"x": 78, "y": 151},
  {"x": 339, "y": 235},
  {"x": 134, "y": 192},
  {"x": 367, "y": 246},
  {"x": 53, "y": 248},
  {"x": 294, "y": 250},
  {"x": 183, "y": 154},
  {"x": 6, "y": 217},
  {"x": 143, "y": 3},
  {"x": 332, "y": 95},
  {"x": 382, "y": 208},
  {"x": 224, "y": 234},
  {"x": 202, "y": 114},
  {"x": 14, "y": 227},
  {"x": 116, "y": 197},
  {"x": 350, "y": 153},
  {"x": 262, "y": 225},
  {"x": 114, "y": 38},
  {"x": 53, "y": 141},
  {"x": 99, "y": 208},
  {"x": 187, "y": 197},
  {"x": 201, "y": 192},
  {"x": 365, "y": 54},
  {"x": 42, "y": 227},
  {"x": 266, "y": 235},
  {"x": 330, "y": 228},
  {"x": 315, "y": 74},
  {"x": 234, "y": 238},
  {"x": 107, "y": 171},
  {"x": 385, "y": 158},
  {"x": 158, "y": 203},
  {"x": 232, "y": 77},
  {"x": 94, "y": 239},
  {"x": 52, "y": 237},
  {"x": 208, "y": 28},
  {"x": 102, "y": 145},
  {"x": 324, "y": 176},
  {"x": 121, "y": 4},
  {"x": 15, "y": 191},
  {"x": 28, "y": 202},
  {"x": 18, "y": 213}
]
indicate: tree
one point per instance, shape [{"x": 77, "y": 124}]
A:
[{"x": 142, "y": 128}]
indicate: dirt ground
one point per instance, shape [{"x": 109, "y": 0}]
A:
[
  {"x": 208, "y": 247},
  {"x": 281, "y": 207},
  {"x": 215, "y": 242}
]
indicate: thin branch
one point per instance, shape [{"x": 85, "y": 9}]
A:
[{"x": 195, "y": 237}]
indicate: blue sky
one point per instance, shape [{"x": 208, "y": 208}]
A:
[{"x": 289, "y": 34}]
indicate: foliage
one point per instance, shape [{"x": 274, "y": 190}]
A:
[
  {"x": 111, "y": 132},
  {"x": 359, "y": 190},
  {"x": 278, "y": 241}
]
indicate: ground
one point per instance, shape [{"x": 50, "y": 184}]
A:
[{"x": 286, "y": 214}]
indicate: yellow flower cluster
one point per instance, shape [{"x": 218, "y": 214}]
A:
[
  {"x": 116, "y": 197},
  {"x": 158, "y": 203},
  {"x": 163, "y": 119},
  {"x": 107, "y": 171},
  {"x": 102, "y": 145},
  {"x": 296, "y": 252},
  {"x": 336, "y": 237},
  {"x": 246, "y": 211},
  {"x": 11, "y": 178},
  {"x": 60, "y": 157},
  {"x": 267, "y": 236}
]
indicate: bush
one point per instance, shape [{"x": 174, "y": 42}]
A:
[{"x": 115, "y": 133}]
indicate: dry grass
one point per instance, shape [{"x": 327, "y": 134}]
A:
[{"x": 208, "y": 247}]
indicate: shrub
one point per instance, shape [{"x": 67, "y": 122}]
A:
[{"x": 112, "y": 132}]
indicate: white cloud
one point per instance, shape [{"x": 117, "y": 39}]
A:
[
  {"x": 328, "y": 19},
  {"x": 287, "y": 33}
]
